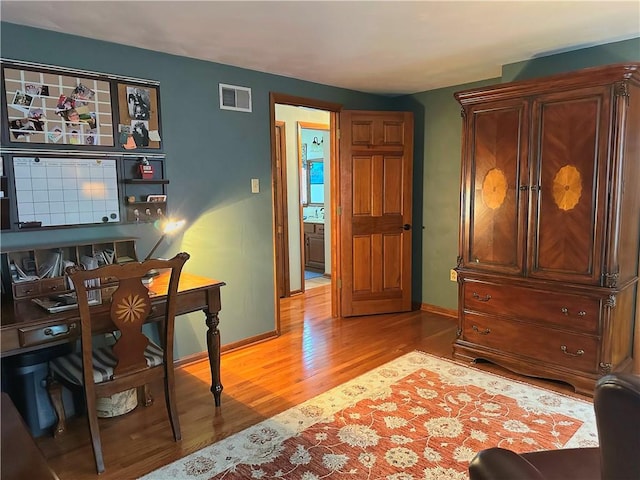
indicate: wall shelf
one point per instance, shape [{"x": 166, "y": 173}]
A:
[{"x": 142, "y": 181}]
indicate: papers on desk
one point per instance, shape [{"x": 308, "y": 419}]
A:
[
  {"x": 93, "y": 286},
  {"x": 52, "y": 266},
  {"x": 18, "y": 275}
]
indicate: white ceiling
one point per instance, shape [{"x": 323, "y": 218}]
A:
[{"x": 387, "y": 47}]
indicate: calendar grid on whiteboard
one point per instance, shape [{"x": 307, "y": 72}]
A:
[{"x": 66, "y": 191}]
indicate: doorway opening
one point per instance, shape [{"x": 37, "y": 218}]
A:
[{"x": 304, "y": 193}]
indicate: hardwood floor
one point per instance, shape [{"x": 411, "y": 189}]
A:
[{"x": 313, "y": 354}]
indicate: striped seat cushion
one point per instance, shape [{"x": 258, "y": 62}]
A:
[{"x": 69, "y": 367}]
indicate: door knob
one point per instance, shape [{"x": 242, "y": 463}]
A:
[{"x": 406, "y": 226}]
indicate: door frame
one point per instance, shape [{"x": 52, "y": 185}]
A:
[
  {"x": 333, "y": 109},
  {"x": 281, "y": 229}
]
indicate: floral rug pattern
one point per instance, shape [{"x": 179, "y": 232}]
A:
[{"x": 418, "y": 417}]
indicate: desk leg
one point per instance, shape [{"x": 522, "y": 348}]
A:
[{"x": 213, "y": 343}]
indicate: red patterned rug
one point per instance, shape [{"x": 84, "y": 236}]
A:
[{"x": 417, "y": 417}]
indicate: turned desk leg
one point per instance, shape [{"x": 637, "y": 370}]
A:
[{"x": 213, "y": 347}]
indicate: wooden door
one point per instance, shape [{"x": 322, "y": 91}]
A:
[
  {"x": 376, "y": 166},
  {"x": 569, "y": 185},
  {"x": 494, "y": 205}
]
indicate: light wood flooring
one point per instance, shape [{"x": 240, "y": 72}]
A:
[{"x": 313, "y": 354}]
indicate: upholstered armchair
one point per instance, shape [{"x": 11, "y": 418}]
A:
[{"x": 617, "y": 407}]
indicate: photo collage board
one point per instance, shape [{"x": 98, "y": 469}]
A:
[
  {"x": 138, "y": 107},
  {"x": 58, "y": 109},
  {"x": 49, "y": 106}
]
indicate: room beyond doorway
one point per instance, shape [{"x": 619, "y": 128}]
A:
[
  {"x": 288, "y": 205},
  {"x": 304, "y": 202}
]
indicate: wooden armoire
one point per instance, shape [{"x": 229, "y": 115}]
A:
[{"x": 550, "y": 224}]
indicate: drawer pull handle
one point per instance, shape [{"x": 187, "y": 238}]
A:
[
  {"x": 59, "y": 330},
  {"x": 565, "y": 311},
  {"x": 578, "y": 353},
  {"x": 486, "y": 298},
  {"x": 486, "y": 331}
]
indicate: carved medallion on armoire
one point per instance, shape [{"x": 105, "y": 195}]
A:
[{"x": 550, "y": 224}]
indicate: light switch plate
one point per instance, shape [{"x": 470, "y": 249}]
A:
[{"x": 255, "y": 185}]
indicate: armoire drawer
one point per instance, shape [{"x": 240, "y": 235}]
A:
[
  {"x": 574, "y": 351},
  {"x": 577, "y": 313}
]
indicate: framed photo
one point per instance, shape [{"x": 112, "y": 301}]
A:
[{"x": 139, "y": 118}]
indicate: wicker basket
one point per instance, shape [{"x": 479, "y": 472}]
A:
[{"x": 117, "y": 404}]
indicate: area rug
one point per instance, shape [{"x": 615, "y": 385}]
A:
[
  {"x": 308, "y": 275},
  {"x": 416, "y": 417}
]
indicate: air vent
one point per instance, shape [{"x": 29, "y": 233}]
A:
[{"x": 235, "y": 98}]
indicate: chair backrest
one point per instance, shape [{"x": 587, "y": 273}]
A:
[
  {"x": 130, "y": 306},
  {"x": 617, "y": 405}
]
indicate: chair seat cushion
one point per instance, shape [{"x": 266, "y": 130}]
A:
[
  {"x": 567, "y": 464},
  {"x": 69, "y": 367}
]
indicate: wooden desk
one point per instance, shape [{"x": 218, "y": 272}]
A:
[
  {"x": 20, "y": 456},
  {"x": 25, "y": 327}
]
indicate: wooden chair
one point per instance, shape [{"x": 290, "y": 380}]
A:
[{"x": 133, "y": 361}]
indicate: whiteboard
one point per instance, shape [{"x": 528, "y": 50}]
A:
[{"x": 66, "y": 191}]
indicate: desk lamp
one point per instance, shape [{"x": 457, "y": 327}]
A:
[{"x": 169, "y": 227}]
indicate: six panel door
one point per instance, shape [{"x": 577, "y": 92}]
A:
[{"x": 376, "y": 163}]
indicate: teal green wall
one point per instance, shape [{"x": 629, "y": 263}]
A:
[
  {"x": 617, "y": 52},
  {"x": 436, "y": 216},
  {"x": 211, "y": 156},
  {"x": 437, "y": 159}
]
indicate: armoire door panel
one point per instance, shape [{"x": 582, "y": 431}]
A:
[
  {"x": 495, "y": 210},
  {"x": 570, "y": 186}
]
